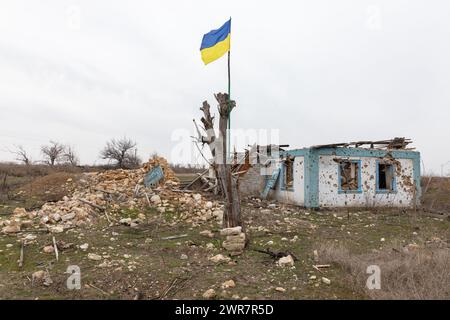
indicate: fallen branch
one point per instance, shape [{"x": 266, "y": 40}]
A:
[
  {"x": 97, "y": 288},
  {"x": 92, "y": 204},
  {"x": 105, "y": 191},
  {"x": 56, "y": 249},
  {"x": 317, "y": 267},
  {"x": 174, "y": 237},
  {"x": 146, "y": 197},
  {"x": 322, "y": 266},
  {"x": 277, "y": 254},
  {"x": 21, "y": 255},
  {"x": 199, "y": 176}
]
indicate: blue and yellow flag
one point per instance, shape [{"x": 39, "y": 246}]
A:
[{"x": 216, "y": 43}]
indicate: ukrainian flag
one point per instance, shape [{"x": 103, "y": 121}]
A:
[{"x": 216, "y": 43}]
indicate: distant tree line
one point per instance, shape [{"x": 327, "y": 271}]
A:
[{"x": 121, "y": 153}]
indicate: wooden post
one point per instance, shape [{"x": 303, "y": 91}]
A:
[{"x": 218, "y": 145}]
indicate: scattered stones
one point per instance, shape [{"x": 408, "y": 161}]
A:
[
  {"x": 228, "y": 284},
  {"x": 95, "y": 257},
  {"x": 280, "y": 289},
  {"x": 125, "y": 221},
  {"x": 326, "y": 280},
  {"x": 209, "y": 294},
  {"x": 208, "y": 205},
  {"x": 68, "y": 216},
  {"x": 84, "y": 246},
  {"x": 12, "y": 228},
  {"x": 235, "y": 240},
  {"x": 155, "y": 199},
  {"x": 49, "y": 249},
  {"x": 219, "y": 258},
  {"x": 231, "y": 231},
  {"x": 20, "y": 212},
  {"x": 30, "y": 237},
  {"x": 183, "y": 257},
  {"x": 47, "y": 280},
  {"x": 207, "y": 233},
  {"x": 38, "y": 275},
  {"x": 56, "y": 229},
  {"x": 287, "y": 261}
]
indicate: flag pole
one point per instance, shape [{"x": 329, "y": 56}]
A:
[{"x": 229, "y": 104}]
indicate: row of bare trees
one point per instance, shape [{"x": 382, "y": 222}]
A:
[
  {"x": 122, "y": 152},
  {"x": 53, "y": 153}
]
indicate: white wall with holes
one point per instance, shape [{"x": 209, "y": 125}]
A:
[
  {"x": 297, "y": 194},
  {"x": 329, "y": 195}
]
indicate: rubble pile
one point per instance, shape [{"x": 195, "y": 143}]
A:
[
  {"x": 104, "y": 194},
  {"x": 169, "y": 175}
]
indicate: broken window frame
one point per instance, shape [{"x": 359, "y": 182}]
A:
[
  {"x": 393, "y": 188},
  {"x": 358, "y": 173},
  {"x": 284, "y": 184}
]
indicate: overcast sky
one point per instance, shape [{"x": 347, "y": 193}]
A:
[{"x": 82, "y": 72}]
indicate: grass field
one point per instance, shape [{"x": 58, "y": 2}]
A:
[{"x": 412, "y": 247}]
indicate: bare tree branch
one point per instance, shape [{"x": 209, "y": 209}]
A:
[
  {"x": 123, "y": 151},
  {"x": 70, "y": 156},
  {"x": 52, "y": 152},
  {"x": 21, "y": 155}
]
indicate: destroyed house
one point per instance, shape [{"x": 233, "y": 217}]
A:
[{"x": 385, "y": 173}]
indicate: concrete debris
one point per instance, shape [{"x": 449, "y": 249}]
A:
[
  {"x": 287, "y": 261},
  {"x": 207, "y": 233},
  {"x": 155, "y": 199},
  {"x": 235, "y": 240},
  {"x": 13, "y": 228},
  {"x": 95, "y": 257},
  {"x": 20, "y": 212},
  {"x": 219, "y": 258},
  {"x": 38, "y": 275},
  {"x": 228, "y": 284},
  {"x": 49, "y": 249},
  {"x": 231, "y": 231},
  {"x": 209, "y": 294},
  {"x": 103, "y": 194}
]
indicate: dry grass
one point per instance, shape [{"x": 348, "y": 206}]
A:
[
  {"x": 436, "y": 193},
  {"x": 422, "y": 273}
]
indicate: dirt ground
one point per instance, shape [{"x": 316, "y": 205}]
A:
[{"x": 138, "y": 263}]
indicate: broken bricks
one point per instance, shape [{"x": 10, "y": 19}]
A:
[
  {"x": 109, "y": 191},
  {"x": 235, "y": 240}
]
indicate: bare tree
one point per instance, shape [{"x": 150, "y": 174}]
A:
[
  {"x": 70, "y": 156},
  {"x": 52, "y": 152},
  {"x": 22, "y": 155},
  {"x": 218, "y": 146},
  {"x": 123, "y": 151}
]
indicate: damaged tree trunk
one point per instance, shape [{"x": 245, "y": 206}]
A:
[{"x": 222, "y": 165}]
